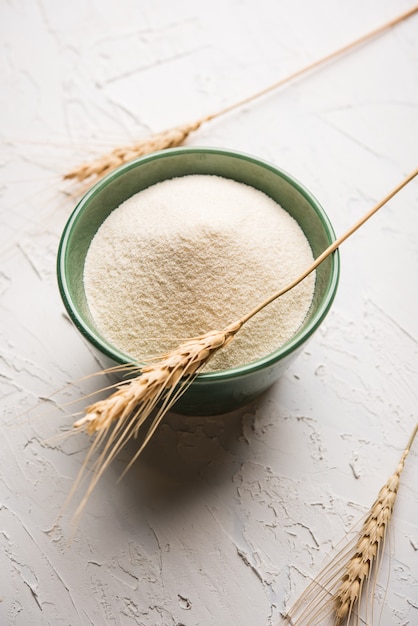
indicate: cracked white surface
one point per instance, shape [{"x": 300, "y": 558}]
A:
[{"x": 223, "y": 520}]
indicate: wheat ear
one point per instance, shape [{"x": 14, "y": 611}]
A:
[
  {"x": 176, "y": 136},
  {"x": 156, "y": 378},
  {"x": 106, "y": 163},
  {"x": 369, "y": 546},
  {"x": 157, "y": 388},
  {"x": 337, "y": 591}
]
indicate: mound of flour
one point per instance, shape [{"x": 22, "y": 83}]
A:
[{"x": 193, "y": 254}]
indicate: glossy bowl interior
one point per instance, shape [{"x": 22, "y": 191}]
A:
[{"x": 224, "y": 390}]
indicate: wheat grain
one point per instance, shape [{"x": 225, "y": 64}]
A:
[{"x": 108, "y": 162}]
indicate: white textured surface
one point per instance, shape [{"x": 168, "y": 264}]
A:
[{"x": 222, "y": 520}]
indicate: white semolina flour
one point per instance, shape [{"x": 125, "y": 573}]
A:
[{"x": 194, "y": 254}]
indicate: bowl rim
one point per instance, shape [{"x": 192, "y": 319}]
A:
[{"x": 218, "y": 375}]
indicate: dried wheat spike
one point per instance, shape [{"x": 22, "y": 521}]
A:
[
  {"x": 334, "y": 596},
  {"x": 120, "y": 417},
  {"x": 106, "y": 163},
  {"x": 155, "y": 379},
  {"x": 369, "y": 546}
]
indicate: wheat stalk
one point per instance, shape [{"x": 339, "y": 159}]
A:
[
  {"x": 156, "y": 378},
  {"x": 160, "y": 384},
  {"x": 337, "y": 592},
  {"x": 106, "y": 163},
  {"x": 157, "y": 388},
  {"x": 369, "y": 546},
  {"x": 176, "y": 136}
]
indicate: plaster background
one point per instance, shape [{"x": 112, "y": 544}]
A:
[{"x": 223, "y": 520}]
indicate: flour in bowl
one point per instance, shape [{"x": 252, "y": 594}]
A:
[{"x": 193, "y": 254}]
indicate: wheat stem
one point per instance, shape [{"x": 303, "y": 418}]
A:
[
  {"x": 176, "y": 136},
  {"x": 328, "y": 251},
  {"x": 315, "y": 64}
]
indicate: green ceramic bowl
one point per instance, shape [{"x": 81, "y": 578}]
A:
[{"x": 224, "y": 390}]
